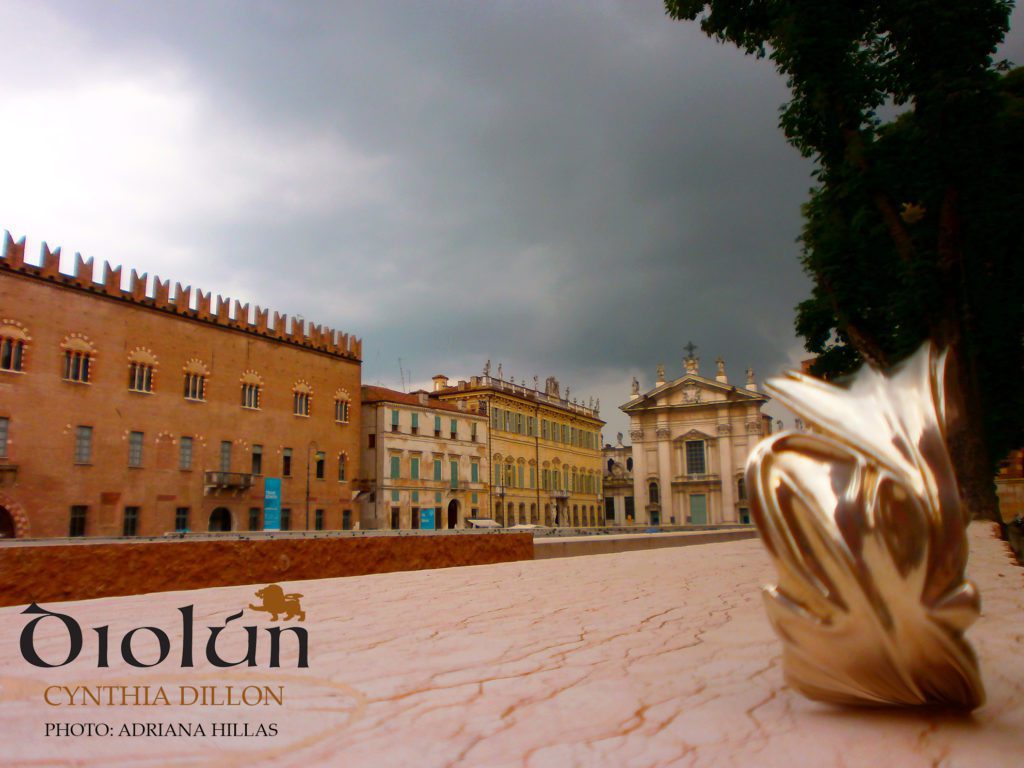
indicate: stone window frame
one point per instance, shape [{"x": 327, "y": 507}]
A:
[
  {"x": 252, "y": 390},
  {"x": 79, "y": 355},
  {"x": 14, "y": 344},
  {"x": 142, "y": 365},
  {"x": 302, "y": 397},
  {"x": 195, "y": 373},
  {"x": 342, "y": 406}
]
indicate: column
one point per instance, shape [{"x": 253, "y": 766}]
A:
[
  {"x": 668, "y": 505},
  {"x": 728, "y": 513},
  {"x": 636, "y": 436}
]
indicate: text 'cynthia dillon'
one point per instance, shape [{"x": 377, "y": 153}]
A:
[{"x": 153, "y": 696}]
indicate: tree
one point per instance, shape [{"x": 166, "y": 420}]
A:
[{"x": 915, "y": 227}]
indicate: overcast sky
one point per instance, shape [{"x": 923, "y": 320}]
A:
[{"x": 573, "y": 189}]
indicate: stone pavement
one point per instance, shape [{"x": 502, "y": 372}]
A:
[{"x": 656, "y": 658}]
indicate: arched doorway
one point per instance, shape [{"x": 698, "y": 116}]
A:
[
  {"x": 220, "y": 519},
  {"x": 499, "y": 515},
  {"x": 453, "y": 514},
  {"x": 7, "y": 528}
]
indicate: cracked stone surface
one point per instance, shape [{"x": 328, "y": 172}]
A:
[{"x": 655, "y": 658}]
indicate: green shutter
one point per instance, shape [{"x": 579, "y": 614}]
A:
[
  {"x": 394, "y": 417},
  {"x": 415, "y": 421},
  {"x": 437, "y": 424},
  {"x": 455, "y": 474},
  {"x": 474, "y": 472},
  {"x": 396, "y": 464},
  {"x": 414, "y": 469},
  {"x": 437, "y": 469}
]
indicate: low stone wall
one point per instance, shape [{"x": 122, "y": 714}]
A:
[
  {"x": 604, "y": 545},
  {"x": 48, "y": 572}
]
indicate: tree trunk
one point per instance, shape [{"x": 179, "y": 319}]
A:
[
  {"x": 965, "y": 439},
  {"x": 965, "y": 436}
]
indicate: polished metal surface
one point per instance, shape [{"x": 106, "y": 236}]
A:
[{"x": 863, "y": 520}]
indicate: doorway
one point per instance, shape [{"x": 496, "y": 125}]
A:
[
  {"x": 220, "y": 520},
  {"x": 698, "y": 509},
  {"x": 453, "y": 514},
  {"x": 7, "y": 529}
]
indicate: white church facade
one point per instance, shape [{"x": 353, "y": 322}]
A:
[{"x": 691, "y": 438}]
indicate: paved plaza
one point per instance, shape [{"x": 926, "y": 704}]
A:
[{"x": 654, "y": 658}]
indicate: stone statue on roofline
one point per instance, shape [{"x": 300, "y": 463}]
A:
[
  {"x": 636, "y": 386},
  {"x": 487, "y": 369}
]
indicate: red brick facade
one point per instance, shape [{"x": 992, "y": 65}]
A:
[{"x": 146, "y": 372}]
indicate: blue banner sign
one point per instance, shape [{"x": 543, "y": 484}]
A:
[
  {"x": 272, "y": 504},
  {"x": 427, "y": 519}
]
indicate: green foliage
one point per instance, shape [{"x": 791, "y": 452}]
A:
[{"x": 883, "y": 282}]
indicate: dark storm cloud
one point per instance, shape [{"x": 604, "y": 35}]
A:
[{"x": 575, "y": 188}]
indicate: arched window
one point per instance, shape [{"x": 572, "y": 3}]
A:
[
  {"x": 252, "y": 384},
  {"x": 629, "y": 464},
  {"x": 342, "y": 458},
  {"x": 301, "y": 395},
  {"x": 652, "y": 492},
  {"x": 13, "y": 343},
  {"x": 141, "y": 370},
  {"x": 611, "y": 463},
  {"x": 79, "y": 356},
  {"x": 741, "y": 488},
  {"x": 195, "y": 379},
  {"x": 341, "y": 406}
]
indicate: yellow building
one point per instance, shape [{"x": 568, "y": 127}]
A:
[{"x": 545, "y": 450}]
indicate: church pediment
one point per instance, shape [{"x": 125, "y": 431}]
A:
[
  {"x": 694, "y": 434},
  {"x": 692, "y": 390}
]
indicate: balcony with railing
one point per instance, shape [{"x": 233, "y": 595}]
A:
[
  {"x": 227, "y": 481},
  {"x": 541, "y": 397}
]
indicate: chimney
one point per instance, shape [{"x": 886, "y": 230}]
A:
[
  {"x": 422, "y": 396},
  {"x": 440, "y": 382},
  {"x": 462, "y": 385}
]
